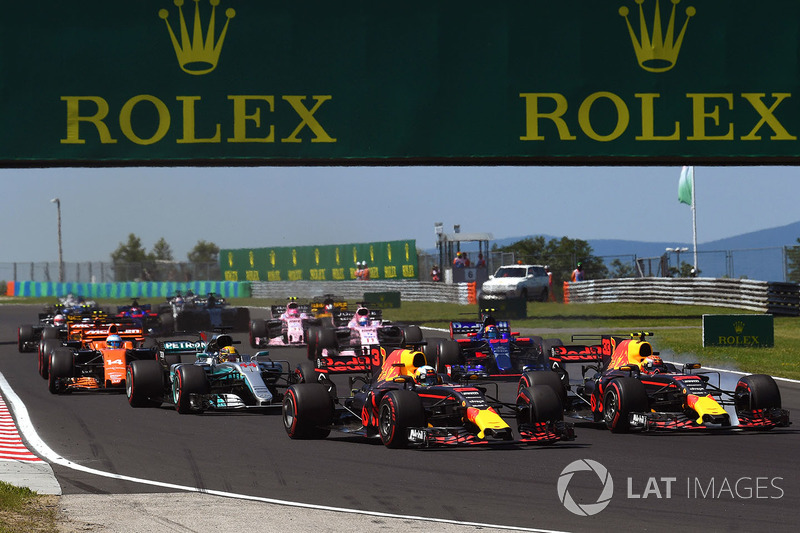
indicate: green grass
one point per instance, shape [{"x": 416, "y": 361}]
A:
[{"x": 22, "y": 509}]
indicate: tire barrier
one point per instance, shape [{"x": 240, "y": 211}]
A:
[
  {"x": 760, "y": 296},
  {"x": 225, "y": 289}
]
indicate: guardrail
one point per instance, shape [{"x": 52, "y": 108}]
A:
[
  {"x": 763, "y": 296},
  {"x": 410, "y": 291}
]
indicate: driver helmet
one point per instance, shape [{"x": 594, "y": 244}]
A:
[
  {"x": 363, "y": 317},
  {"x": 228, "y": 354},
  {"x": 490, "y": 332},
  {"x": 426, "y": 375},
  {"x": 292, "y": 309},
  {"x": 114, "y": 341},
  {"x": 652, "y": 363},
  {"x": 59, "y": 320}
]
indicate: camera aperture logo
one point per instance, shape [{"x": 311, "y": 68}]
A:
[{"x": 585, "y": 509}]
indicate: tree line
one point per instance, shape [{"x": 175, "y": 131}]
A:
[{"x": 133, "y": 252}]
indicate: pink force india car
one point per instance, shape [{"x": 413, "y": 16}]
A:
[{"x": 288, "y": 325}]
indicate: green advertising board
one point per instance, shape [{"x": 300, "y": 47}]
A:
[
  {"x": 240, "y": 82},
  {"x": 389, "y": 260},
  {"x": 738, "y": 331}
]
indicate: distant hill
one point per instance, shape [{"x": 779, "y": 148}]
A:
[{"x": 754, "y": 255}]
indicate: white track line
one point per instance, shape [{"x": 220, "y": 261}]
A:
[{"x": 32, "y": 437}]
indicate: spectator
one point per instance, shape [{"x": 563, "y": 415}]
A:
[
  {"x": 550, "y": 295},
  {"x": 436, "y": 274},
  {"x": 364, "y": 271},
  {"x": 466, "y": 259},
  {"x": 481, "y": 261},
  {"x": 458, "y": 262},
  {"x": 577, "y": 274}
]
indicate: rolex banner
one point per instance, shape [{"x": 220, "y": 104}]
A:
[
  {"x": 227, "y": 82},
  {"x": 391, "y": 260}
]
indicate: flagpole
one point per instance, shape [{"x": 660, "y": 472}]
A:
[{"x": 694, "y": 223}]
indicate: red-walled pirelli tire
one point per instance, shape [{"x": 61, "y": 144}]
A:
[
  {"x": 62, "y": 365},
  {"x": 543, "y": 378},
  {"x": 539, "y": 404},
  {"x": 757, "y": 391},
  {"x": 144, "y": 383},
  {"x": 258, "y": 328},
  {"x": 441, "y": 353},
  {"x": 189, "y": 379},
  {"x": 307, "y": 411},
  {"x": 24, "y": 336},
  {"x": 622, "y": 397},
  {"x": 398, "y": 411},
  {"x": 46, "y": 348}
]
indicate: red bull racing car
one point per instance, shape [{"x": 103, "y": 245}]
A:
[
  {"x": 625, "y": 385},
  {"x": 403, "y": 401}
]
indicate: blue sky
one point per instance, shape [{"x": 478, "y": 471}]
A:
[{"x": 279, "y": 206}]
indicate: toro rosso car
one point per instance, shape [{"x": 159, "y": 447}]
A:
[
  {"x": 405, "y": 402},
  {"x": 219, "y": 378},
  {"x": 99, "y": 363},
  {"x": 626, "y": 386},
  {"x": 488, "y": 348}
]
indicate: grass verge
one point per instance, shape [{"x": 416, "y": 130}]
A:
[{"x": 22, "y": 509}]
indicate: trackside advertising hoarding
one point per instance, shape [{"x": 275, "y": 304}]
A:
[
  {"x": 227, "y": 82},
  {"x": 390, "y": 260}
]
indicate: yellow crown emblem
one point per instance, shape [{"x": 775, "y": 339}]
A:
[
  {"x": 659, "y": 52},
  {"x": 738, "y": 326},
  {"x": 197, "y": 55}
]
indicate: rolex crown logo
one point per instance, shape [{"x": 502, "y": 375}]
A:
[
  {"x": 738, "y": 326},
  {"x": 197, "y": 54},
  {"x": 657, "y": 52}
]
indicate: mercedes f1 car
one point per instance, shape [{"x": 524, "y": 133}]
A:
[
  {"x": 393, "y": 404},
  {"x": 625, "y": 385},
  {"x": 219, "y": 378},
  {"x": 191, "y": 313}
]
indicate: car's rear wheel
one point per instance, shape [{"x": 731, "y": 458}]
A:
[
  {"x": 50, "y": 332},
  {"x": 398, "y": 411},
  {"x": 307, "y": 411},
  {"x": 24, "y": 337},
  {"x": 412, "y": 335},
  {"x": 144, "y": 383},
  {"x": 189, "y": 379},
  {"x": 442, "y": 353},
  {"x": 622, "y": 397},
  {"x": 62, "y": 365},
  {"x": 46, "y": 349}
]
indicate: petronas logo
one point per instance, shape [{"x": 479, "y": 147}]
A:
[
  {"x": 199, "y": 52},
  {"x": 657, "y": 50}
]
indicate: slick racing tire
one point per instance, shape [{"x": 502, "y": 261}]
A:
[
  {"x": 539, "y": 404},
  {"x": 24, "y": 336},
  {"x": 757, "y": 391},
  {"x": 411, "y": 335},
  {"x": 555, "y": 366},
  {"x": 49, "y": 332},
  {"x": 62, "y": 364},
  {"x": 398, "y": 411},
  {"x": 622, "y": 397},
  {"x": 46, "y": 349},
  {"x": 441, "y": 353},
  {"x": 258, "y": 328},
  {"x": 144, "y": 383},
  {"x": 189, "y": 379},
  {"x": 307, "y": 411},
  {"x": 306, "y": 372},
  {"x": 543, "y": 379}
]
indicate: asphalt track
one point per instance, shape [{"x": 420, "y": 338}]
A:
[{"x": 737, "y": 481}]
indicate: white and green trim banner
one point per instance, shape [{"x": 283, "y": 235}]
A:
[{"x": 243, "y": 82}]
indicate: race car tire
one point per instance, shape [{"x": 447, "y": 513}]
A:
[
  {"x": 411, "y": 335},
  {"x": 326, "y": 339},
  {"x": 539, "y": 404},
  {"x": 62, "y": 365},
  {"x": 312, "y": 334},
  {"x": 622, "y": 397},
  {"x": 441, "y": 353},
  {"x": 274, "y": 328},
  {"x": 398, "y": 411},
  {"x": 46, "y": 348},
  {"x": 144, "y": 383},
  {"x": 189, "y": 379},
  {"x": 756, "y": 391},
  {"x": 167, "y": 322},
  {"x": 258, "y": 328},
  {"x": 242, "y": 319},
  {"x": 24, "y": 336},
  {"x": 543, "y": 379},
  {"x": 307, "y": 411},
  {"x": 547, "y": 346},
  {"x": 49, "y": 332},
  {"x": 306, "y": 372}
]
